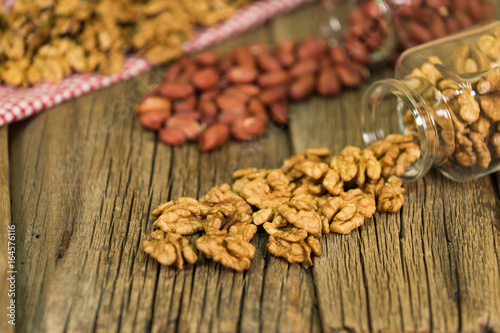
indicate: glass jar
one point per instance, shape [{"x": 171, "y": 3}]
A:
[
  {"x": 366, "y": 32},
  {"x": 375, "y": 28},
  {"x": 447, "y": 95}
]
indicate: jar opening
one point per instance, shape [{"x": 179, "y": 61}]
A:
[{"x": 387, "y": 107}]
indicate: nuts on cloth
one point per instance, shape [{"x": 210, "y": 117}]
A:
[{"x": 169, "y": 249}]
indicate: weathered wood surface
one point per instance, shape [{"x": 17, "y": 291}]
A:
[
  {"x": 4, "y": 224},
  {"x": 85, "y": 176}
]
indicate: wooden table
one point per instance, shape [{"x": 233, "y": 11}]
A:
[{"x": 84, "y": 177}]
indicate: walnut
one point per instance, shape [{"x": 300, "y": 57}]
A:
[
  {"x": 458, "y": 57},
  {"x": 464, "y": 152},
  {"x": 491, "y": 106},
  {"x": 495, "y": 141},
  {"x": 269, "y": 191},
  {"x": 312, "y": 169},
  {"x": 302, "y": 215},
  {"x": 312, "y": 153},
  {"x": 482, "y": 126},
  {"x": 489, "y": 83},
  {"x": 223, "y": 217},
  {"x": 183, "y": 216},
  {"x": 308, "y": 190},
  {"x": 228, "y": 234},
  {"x": 169, "y": 248},
  {"x": 232, "y": 250},
  {"x": 348, "y": 211},
  {"x": 295, "y": 252},
  {"x": 222, "y": 194},
  {"x": 489, "y": 45},
  {"x": 264, "y": 215},
  {"x": 310, "y": 164},
  {"x": 333, "y": 183},
  {"x": 354, "y": 164},
  {"x": 431, "y": 73},
  {"x": 287, "y": 232},
  {"x": 481, "y": 148},
  {"x": 469, "y": 108},
  {"x": 396, "y": 153},
  {"x": 390, "y": 196}
]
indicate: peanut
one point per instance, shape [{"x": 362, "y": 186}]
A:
[
  {"x": 274, "y": 78},
  {"x": 154, "y": 120},
  {"x": 172, "y": 136},
  {"x": 153, "y": 103},
  {"x": 279, "y": 112},
  {"x": 227, "y": 102},
  {"x": 273, "y": 94},
  {"x": 328, "y": 83},
  {"x": 190, "y": 127},
  {"x": 304, "y": 67},
  {"x": 206, "y": 78},
  {"x": 207, "y": 58},
  {"x": 242, "y": 74},
  {"x": 175, "y": 91},
  {"x": 248, "y": 128},
  {"x": 311, "y": 48},
  {"x": 257, "y": 109},
  {"x": 185, "y": 105},
  {"x": 302, "y": 88},
  {"x": 268, "y": 62},
  {"x": 213, "y": 137},
  {"x": 348, "y": 77}
]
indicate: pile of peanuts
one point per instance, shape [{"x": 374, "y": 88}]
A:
[{"x": 210, "y": 96}]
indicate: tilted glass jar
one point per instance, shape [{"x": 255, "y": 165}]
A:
[
  {"x": 374, "y": 28},
  {"x": 363, "y": 27},
  {"x": 447, "y": 95}
]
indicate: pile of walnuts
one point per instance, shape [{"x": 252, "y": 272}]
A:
[
  {"x": 49, "y": 40},
  {"x": 306, "y": 198}
]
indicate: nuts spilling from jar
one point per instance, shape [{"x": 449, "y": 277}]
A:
[
  {"x": 211, "y": 97},
  {"x": 49, "y": 40},
  {"x": 466, "y": 109},
  {"x": 310, "y": 196}
]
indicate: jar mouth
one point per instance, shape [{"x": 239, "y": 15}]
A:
[{"x": 384, "y": 106}]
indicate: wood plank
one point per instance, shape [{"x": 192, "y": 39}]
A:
[
  {"x": 87, "y": 180},
  {"x": 5, "y": 299}
]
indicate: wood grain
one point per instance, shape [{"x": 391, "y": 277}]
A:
[
  {"x": 4, "y": 224},
  {"x": 85, "y": 177}
]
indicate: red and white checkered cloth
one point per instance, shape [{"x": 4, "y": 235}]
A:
[{"x": 20, "y": 103}]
